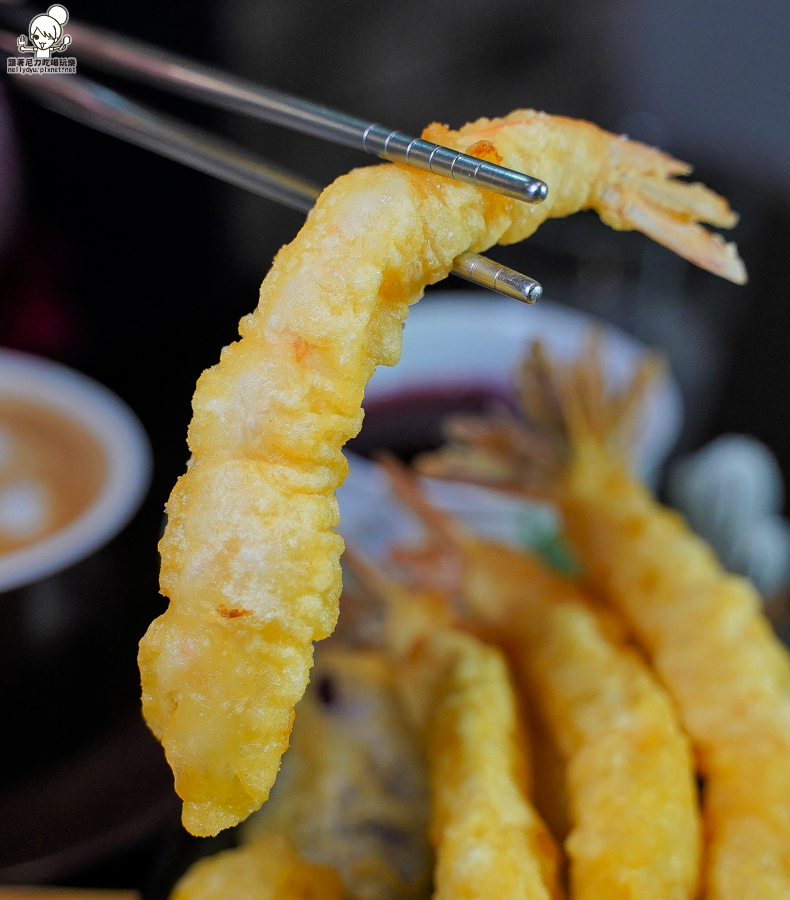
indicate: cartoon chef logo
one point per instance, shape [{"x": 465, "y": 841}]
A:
[
  {"x": 46, "y": 34},
  {"x": 44, "y": 39}
]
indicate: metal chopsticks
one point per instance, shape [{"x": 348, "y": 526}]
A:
[
  {"x": 99, "y": 107},
  {"x": 146, "y": 62}
]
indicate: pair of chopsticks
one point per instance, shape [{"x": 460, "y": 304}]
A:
[{"x": 99, "y": 107}]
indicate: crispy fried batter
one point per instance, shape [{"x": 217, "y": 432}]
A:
[
  {"x": 703, "y": 629},
  {"x": 250, "y": 523},
  {"x": 489, "y": 841},
  {"x": 714, "y": 649},
  {"x": 630, "y": 774},
  {"x": 635, "y": 831}
]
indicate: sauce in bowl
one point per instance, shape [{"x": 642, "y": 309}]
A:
[
  {"x": 412, "y": 421},
  {"x": 51, "y": 471}
]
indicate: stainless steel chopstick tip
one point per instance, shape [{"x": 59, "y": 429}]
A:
[
  {"x": 487, "y": 273},
  {"x": 537, "y": 191}
]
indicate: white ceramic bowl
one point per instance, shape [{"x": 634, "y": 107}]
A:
[
  {"x": 471, "y": 339},
  {"x": 110, "y": 421}
]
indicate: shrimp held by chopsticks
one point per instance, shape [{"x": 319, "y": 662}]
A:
[
  {"x": 635, "y": 831},
  {"x": 249, "y": 558},
  {"x": 703, "y": 628}
]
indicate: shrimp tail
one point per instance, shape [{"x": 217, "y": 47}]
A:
[
  {"x": 437, "y": 564},
  {"x": 641, "y": 192},
  {"x": 593, "y": 414},
  {"x": 630, "y": 185},
  {"x": 566, "y": 410},
  {"x": 409, "y": 615}
]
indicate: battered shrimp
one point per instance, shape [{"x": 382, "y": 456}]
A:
[
  {"x": 703, "y": 628},
  {"x": 635, "y": 831},
  {"x": 250, "y": 560},
  {"x": 490, "y": 843}
]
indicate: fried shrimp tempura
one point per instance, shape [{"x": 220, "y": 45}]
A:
[
  {"x": 489, "y": 841},
  {"x": 635, "y": 830},
  {"x": 249, "y": 558},
  {"x": 703, "y": 628}
]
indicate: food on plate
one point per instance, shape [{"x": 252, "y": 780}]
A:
[
  {"x": 250, "y": 560},
  {"x": 488, "y": 839},
  {"x": 629, "y": 772},
  {"x": 352, "y": 793},
  {"x": 702, "y": 628},
  {"x": 266, "y": 869}
]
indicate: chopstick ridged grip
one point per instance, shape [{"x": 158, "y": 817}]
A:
[{"x": 399, "y": 147}]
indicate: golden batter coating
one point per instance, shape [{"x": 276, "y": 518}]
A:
[
  {"x": 715, "y": 650},
  {"x": 703, "y": 629},
  {"x": 249, "y": 558},
  {"x": 489, "y": 841},
  {"x": 629, "y": 773}
]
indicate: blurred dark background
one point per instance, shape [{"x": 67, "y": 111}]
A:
[{"x": 136, "y": 270}]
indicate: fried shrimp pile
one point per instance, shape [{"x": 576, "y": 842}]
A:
[
  {"x": 250, "y": 560},
  {"x": 629, "y": 773},
  {"x": 489, "y": 841},
  {"x": 702, "y": 628},
  {"x": 353, "y": 794},
  {"x": 353, "y": 791},
  {"x": 488, "y": 838}
]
